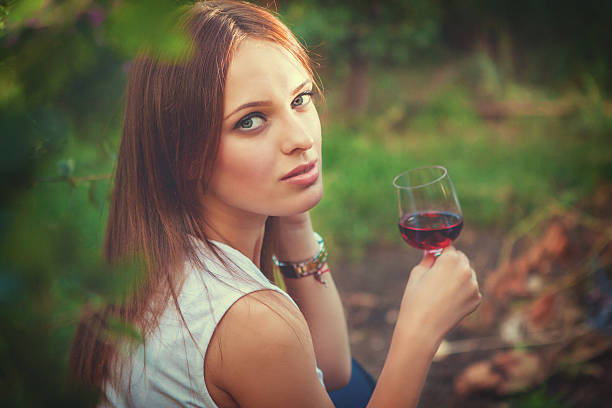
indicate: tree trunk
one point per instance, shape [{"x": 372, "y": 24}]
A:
[{"x": 357, "y": 91}]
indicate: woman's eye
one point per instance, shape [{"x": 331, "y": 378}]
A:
[
  {"x": 301, "y": 99},
  {"x": 250, "y": 122}
]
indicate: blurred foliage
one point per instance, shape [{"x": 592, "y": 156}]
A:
[
  {"x": 502, "y": 173},
  {"x": 353, "y": 36},
  {"x": 376, "y": 31},
  {"x": 547, "y": 41},
  {"x": 62, "y": 72}
]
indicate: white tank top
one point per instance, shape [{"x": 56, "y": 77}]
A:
[{"x": 168, "y": 370}]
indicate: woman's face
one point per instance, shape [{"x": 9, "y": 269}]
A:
[{"x": 269, "y": 160}]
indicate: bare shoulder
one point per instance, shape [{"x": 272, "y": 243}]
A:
[
  {"x": 263, "y": 324},
  {"x": 261, "y": 354}
]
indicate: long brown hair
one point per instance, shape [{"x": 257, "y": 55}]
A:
[{"x": 171, "y": 132}]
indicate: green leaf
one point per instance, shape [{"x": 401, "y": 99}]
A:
[
  {"x": 152, "y": 25},
  {"x": 24, "y": 10}
]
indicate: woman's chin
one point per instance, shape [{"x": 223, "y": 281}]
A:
[
  {"x": 314, "y": 197},
  {"x": 304, "y": 203},
  {"x": 311, "y": 205}
]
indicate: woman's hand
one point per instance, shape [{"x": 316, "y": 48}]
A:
[{"x": 439, "y": 294}]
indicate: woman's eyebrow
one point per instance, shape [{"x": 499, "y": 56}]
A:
[
  {"x": 266, "y": 103},
  {"x": 249, "y": 105},
  {"x": 300, "y": 86}
]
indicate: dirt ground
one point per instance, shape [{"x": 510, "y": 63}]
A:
[{"x": 372, "y": 289}]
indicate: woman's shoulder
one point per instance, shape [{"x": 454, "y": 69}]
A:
[
  {"x": 268, "y": 311},
  {"x": 215, "y": 288},
  {"x": 264, "y": 336}
]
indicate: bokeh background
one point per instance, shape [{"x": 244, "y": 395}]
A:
[{"x": 514, "y": 98}]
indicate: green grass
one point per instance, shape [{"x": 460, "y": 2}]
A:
[{"x": 502, "y": 170}]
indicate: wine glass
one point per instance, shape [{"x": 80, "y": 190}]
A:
[{"x": 429, "y": 212}]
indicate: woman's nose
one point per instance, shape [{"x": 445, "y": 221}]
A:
[{"x": 295, "y": 134}]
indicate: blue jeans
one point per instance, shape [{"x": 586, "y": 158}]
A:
[{"x": 357, "y": 392}]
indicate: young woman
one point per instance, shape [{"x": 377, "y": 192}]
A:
[{"x": 219, "y": 164}]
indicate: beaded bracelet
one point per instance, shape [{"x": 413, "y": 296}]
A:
[{"x": 314, "y": 266}]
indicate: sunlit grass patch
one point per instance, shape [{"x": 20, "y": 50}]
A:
[{"x": 503, "y": 170}]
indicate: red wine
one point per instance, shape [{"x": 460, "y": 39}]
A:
[{"x": 430, "y": 230}]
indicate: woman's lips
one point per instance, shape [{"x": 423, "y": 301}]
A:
[{"x": 303, "y": 175}]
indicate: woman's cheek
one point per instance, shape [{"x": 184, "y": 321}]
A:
[{"x": 248, "y": 163}]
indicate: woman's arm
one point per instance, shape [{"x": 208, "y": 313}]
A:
[
  {"x": 320, "y": 304},
  {"x": 439, "y": 294},
  {"x": 261, "y": 354}
]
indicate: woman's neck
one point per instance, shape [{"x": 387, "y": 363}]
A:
[{"x": 238, "y": 229}]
